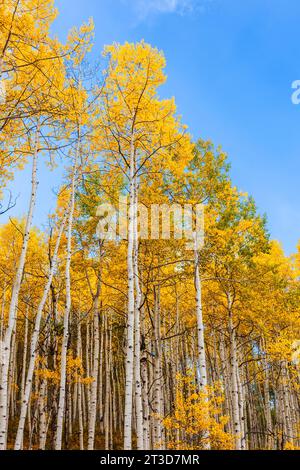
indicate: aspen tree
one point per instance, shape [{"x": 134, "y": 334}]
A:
[
  {"x": 6, "y": 349},
  {"x": 62, "y": 388},
  {"x": 34, "y": 339},
  {"x": 114, "y": 344},
  {"x": 146, "y": 130}
]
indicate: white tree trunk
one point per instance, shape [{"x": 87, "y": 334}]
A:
[
  {"x": 101, "y": 377},
  {"x": 200, "y": 334},
  {"x": 43, "y": 415},
  {"x": 34, "y": 340},
  {"x": 6, "y": 347},
  {"x": 146, "y": 411},
  {"x": 137, "y": 343},
  {"x": 64, "y": 349},
  {"x": 79, "y": 395},
  {"x": 108, "y": 360},
  {"x": 157, "y": 389},
  {"x": 24, "y": 355},
  {"x": 94, "y": 386},
  {"x": 200, "y": 326},
  {"x": 130, "y": 312},
  {"x": 234, "y": 383}
]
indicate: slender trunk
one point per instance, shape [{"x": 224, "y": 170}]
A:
[
  {"x": 234, "y": 383},
  {"x": 200, "y": 326},
  {"x": 43, "y": 415},
  {"x": 158, "y": 411},
  {"x": 145, "y": 398},
  {"x": 101, "y": 378},
  {"x": 130, "y": 312},
  {"x": 94, "y": 386},
  {"x": 267, "y": 408},
  {"x": 79, "y": 394},
  {"x": 64, "y": 349},
  {"x": 12, "y": 315},
  {"x": 107, "y": 384},
  {"x": 24, "y": 355},
  {"x": 200, "y": 335},
  {"x": 137, "y": 344},
  {"x": 34, "y": 340}
]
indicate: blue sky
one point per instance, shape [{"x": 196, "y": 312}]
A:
[{"x": 230, "y": 65}]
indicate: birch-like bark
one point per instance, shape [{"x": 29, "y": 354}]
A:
[
  {"x": 24, "y": 355},
  {"x": 34, "y": 339},
  {"x": 130, "y": 311},
  {"x": 267, "y": 407},
  {"x": 12, "y": 315},
  {"x": 87, "y": 362},
  {"x": 11, "y": 380},
  {"x": 200, "y": 334},
  {"x": 101, "y": 378},
  {"x": 157, "y": 390},
  {"x": 234, "y": 382},
  {"x": 286, "y": 403},
  {"x": 241, "y": 411},
  {"x": 94, "y": 386},
  {"x": 226, "y": 382},
  {"x": 79, "y": 394},
  {"x": 107, "y": 411},
  {"x": 2, "y": 318},
  {"x": 43, "y": 415},
  {"x": 64, "y": 349},
  {"x": 137, "y": 342},
  {"x": 111, "y": 440},
  {"x": 200, "y": 326},
  {"x": 145, "y": 399}
]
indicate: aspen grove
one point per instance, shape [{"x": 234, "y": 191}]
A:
[{"x": 135, "y": 343}]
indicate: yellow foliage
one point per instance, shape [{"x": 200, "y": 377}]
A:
[{"x": 197, "y": 418}]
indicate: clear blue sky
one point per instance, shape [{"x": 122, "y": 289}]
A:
[{"x": 230, "y": 66}]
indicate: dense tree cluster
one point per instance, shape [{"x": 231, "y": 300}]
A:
[{"x": 139, "y": 343}]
